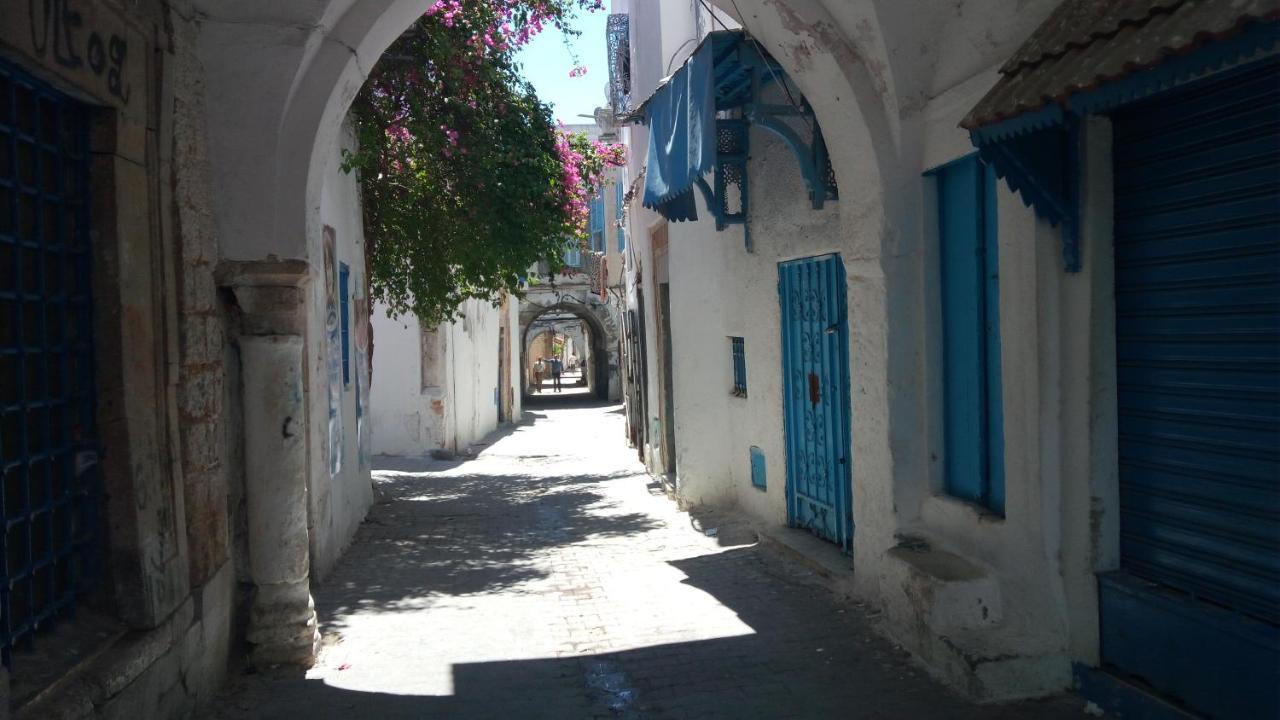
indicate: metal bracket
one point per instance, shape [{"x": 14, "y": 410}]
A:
[{"x": 815, "y": 165}]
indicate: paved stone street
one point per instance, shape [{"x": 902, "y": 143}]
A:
[{"x": 548, "y": 578}]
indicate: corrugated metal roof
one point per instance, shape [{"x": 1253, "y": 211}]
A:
[{"x": 1086, "y": 43}]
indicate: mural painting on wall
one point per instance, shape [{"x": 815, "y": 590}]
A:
[
  {"x": 362, "y": 332},
  {"x": 333, "y": 349}
]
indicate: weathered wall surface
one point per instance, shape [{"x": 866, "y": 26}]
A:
[
  {"x": 721, "y": 290},
  {"x": 407, "y": 409},
  {"x": 337, "y": 499},
  {"x": 167, "y": 586},
  {"x": 473, "y": 373},
  {"x": 456, "y": 402}
]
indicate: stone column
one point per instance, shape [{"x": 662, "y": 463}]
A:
[{"x": 271, "y": 296}]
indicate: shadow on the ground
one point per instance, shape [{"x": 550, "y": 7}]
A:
[
  {"x": 565, "y": 400},
  {"x": 434, "y": 534},
  {"x": 791, "y": 667},
  {"x": 447, "y": 459}
]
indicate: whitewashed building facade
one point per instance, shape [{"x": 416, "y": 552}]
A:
[
  {"x": 986, "y": 362},
  {"x": 443, "y": 388}
]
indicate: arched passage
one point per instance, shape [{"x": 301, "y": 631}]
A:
[
  {"x": 279, "y": 79},
  {"x": 847, "y": 77},
  {"x": 602, "y": 344}
]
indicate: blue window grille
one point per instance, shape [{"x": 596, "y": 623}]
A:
[
  {"x": 619, "y": 194},
  {"x": 973, "y": 418},
  {"x": 344, "y": 302},
  {"x": 757, "y": 468},
  {"x": 48, "y": 439},
  {"x": 738, "y": 348}
]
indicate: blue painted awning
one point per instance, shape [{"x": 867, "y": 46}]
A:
[
  {"x": 681, "y": 117},
  {"x": 727, "y": 71}
]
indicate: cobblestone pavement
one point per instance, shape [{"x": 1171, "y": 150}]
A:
[{"x": 548, "y": 578}]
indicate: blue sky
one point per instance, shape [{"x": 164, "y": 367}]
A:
[{"x": 547, "y": 64}]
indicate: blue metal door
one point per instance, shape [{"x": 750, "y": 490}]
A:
[
  {"x": 815, "y": 367},
  {"x": 1195, "y": 609}
]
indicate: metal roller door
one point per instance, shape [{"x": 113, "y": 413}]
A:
[{"x": 1194, "y": 609}]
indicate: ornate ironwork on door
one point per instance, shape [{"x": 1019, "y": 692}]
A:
[{"x": 815, "y": 363}]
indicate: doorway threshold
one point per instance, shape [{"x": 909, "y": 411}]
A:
[{"x": 827, "y": 561}]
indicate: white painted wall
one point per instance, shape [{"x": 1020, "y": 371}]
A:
[
  {"x": 721, "y": 290},
  {"x": 890, "y": 82},
  {"x": 336, "y": 502},
  {"x": 409, "y": 420},
  {"x": 473, "y": 373}
]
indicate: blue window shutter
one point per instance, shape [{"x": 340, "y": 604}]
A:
[
  {"x": 991, "y": 309},
  {"x": 758, "y": 478},
  {"x": 344, "y": 302},
  {"x": 968, "y": 263},
  {"x": 597, "y": 219}
]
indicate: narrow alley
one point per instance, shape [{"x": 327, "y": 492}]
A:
[
  {"x": 639, "y": 359},
  {"x": 548, "y": 578}
]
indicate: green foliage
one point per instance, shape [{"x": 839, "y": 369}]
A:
[{"x": 462, "y": 184}]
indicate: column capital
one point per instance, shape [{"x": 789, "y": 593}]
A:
[{"x": 269, "y": 293}]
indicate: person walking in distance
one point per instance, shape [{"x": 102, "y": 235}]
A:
[
  {"x": 556, "y": 369},
  {"x": 539, "y": 371}
]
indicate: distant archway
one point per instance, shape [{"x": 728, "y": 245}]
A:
[{"x": 602, "y": 363}]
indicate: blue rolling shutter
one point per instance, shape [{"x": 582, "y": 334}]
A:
[{"x": 1197, "y": 258}]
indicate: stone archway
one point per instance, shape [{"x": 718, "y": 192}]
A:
[
  {"x": 279, "y": 78},
  {"x": 601, "y": 329}
]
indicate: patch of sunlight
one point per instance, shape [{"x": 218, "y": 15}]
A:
[{"x": 615, "y": 604}]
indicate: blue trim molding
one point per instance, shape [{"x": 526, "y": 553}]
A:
[
  {"x": 1038, "y": 153},
  {"x": 1041, "y": 164}
]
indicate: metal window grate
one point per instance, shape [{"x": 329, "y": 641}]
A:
[
  {"x": 739, "y": 366},
  {"x": 618, "y": 37},
  {"x": 48, "y": 442}
]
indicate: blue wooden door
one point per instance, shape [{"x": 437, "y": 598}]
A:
[
  {"x": 1194, "y": 610},
  {"x": 815, "y": 366}
]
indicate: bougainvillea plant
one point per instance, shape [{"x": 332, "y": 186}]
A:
[{"x": 465, "y": 181}]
